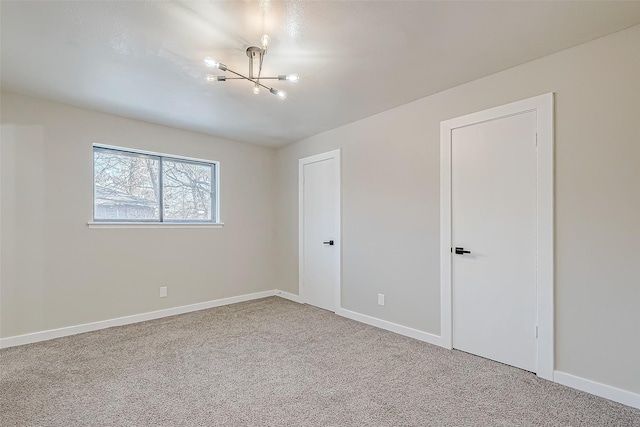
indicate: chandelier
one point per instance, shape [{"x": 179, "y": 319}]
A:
[{"x": 255, "y": 54}]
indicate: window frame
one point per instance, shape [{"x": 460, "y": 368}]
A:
[{"x": 161, "y": 222}]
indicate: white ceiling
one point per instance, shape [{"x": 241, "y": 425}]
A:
[{"x": 143, "y": 59}]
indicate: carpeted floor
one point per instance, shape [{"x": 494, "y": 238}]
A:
[{"x": 272, "y": 362}]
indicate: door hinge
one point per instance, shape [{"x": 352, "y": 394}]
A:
[
  {"x": 536, "y": 139},
  {"x": 536, "y": 331}
]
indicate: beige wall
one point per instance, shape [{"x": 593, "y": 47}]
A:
[
  {"x": 57, "y": 272},
  {"x": 390, "y": 203}
]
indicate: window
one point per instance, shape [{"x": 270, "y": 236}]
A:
[{"x": 132, "y": 186}]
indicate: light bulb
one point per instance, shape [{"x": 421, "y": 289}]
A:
[
  {"x": 212, "y": 78},
  {"x": 280, "y": 93},
  {"x": 210, "y": 62},
  {"x": 293, "y": 78},
  {"x": 256, "y": 89},
  {"x": 265, "y": 41}
]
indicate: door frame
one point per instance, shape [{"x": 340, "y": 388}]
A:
[
  {"x": 542, "y": 105},
  {"x": 334, "y": 154}
]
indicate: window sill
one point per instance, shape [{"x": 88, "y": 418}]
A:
[{"x": 105, "y": 224}]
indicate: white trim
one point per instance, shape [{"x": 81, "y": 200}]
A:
[
  {"x": 289, "y": 296},
  {"x": 135, "y": 318},
  {"x": 2, "y": 130},
  {"x": 154, "y": 153},
  {"x": 608, "y": 392},
  {"x": 334, "y": 154},
  {"x": 126, "y": 320},
  {"x": 105, "y": 224},
  {"x": 543, "y": 106},
  {"x": 393, "y": 327}
]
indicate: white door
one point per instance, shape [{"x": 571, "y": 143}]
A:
[
  {"x": 320, "y": 230},
  {"x": 493, "y": 216}
]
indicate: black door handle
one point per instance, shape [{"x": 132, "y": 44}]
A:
[
  {"x": 330, "y": 243},
  {"x": 460, "y": 251}
]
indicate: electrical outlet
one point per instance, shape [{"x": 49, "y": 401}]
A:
[
  {"x": 163, "y": 291},
  {"x": 380, "y": 299}
]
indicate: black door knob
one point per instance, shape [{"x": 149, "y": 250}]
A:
[
  {"x": 330, "y": 243},
  {"x": 460, "y": 251}
]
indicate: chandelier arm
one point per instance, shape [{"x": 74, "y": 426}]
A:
[
  {"x": 262, "y": 53},
  {"x": 247, "y": 78},
  {"x": 261, "y": 78}
]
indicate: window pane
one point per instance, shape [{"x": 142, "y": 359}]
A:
[
  {"x": 187, "y": 191},
  {"x": 125, "y": 186}
]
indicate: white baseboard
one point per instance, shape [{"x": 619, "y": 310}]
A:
[
  {"x": 393, "y": 327},
  {"x": 608, "y": 392},
  {"x": 126, "y": 320},
  {"x": 289, "y": 296}
]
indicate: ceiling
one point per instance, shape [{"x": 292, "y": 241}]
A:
[{"x": 144, "y": 59}]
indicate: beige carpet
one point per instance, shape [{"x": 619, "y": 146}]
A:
[{"x": 272, "y": 362}]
